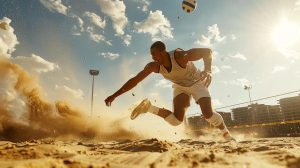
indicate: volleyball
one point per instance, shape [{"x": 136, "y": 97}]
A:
[{"x": 189, "y": 5}]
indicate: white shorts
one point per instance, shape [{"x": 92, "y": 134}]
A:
[{"x": 197, "y": 90}]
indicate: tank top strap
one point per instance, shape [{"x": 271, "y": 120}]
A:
[
  {"x": 174, "y": 62},
  {"x": 172, "y": 57}
]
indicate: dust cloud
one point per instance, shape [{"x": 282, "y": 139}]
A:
[{"x": 25, "y": 114}]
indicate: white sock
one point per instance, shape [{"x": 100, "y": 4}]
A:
[{"x": 153, "y": 109}]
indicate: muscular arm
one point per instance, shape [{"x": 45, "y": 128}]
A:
[
  {"x": 131, "y": 83},
  {"x": 195, "y": 54}
]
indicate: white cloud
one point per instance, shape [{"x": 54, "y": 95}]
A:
[
  {"x": 163, "y": 83},
  {"x": 8, "y": 39},
  {"x": 95, "y": 19},
  {"x": 215, "y": 55},
  {"x": 35, "y": 64},
  {"x": 239, "y": 82},
  {"x": 65, "y": 90},
  {"x": 212, "y": 37},
  {"x": 116, "y": 11},
  {"x": 143, "y": 5},
  {"x": 238, "y": 56},
  {"x": 111, "y": 56},
  {"x": 215, "y": 69},
  {"x": 291, "y": 54},
  {"x": 278, "y": 69},
  {"x": 77, "y": 29},
  {"x": 55, "y": 6},
  {"x": 204, "y": 41},
  {"x": 225, "y": 67},
  {"x": 96, "y": 37},
  {"x": 126, "y": 39},
  {"x": 157, "y": 25}
]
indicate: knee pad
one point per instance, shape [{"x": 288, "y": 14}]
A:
[
  {"x": 171, "y": 119},
  {"x": 216, "y": 119}
]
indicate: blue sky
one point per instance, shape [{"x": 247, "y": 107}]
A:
[{"x": 254, "y": 42}]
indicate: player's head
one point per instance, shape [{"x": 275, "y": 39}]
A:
[{"x": 157, "y": 49}]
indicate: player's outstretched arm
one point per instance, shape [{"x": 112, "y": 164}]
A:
[{"x": 131, "y": 83}]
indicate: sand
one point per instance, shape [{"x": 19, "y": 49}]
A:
[
  {"x": 49, "y": 152},
  {"x": 39, "y": 133}
]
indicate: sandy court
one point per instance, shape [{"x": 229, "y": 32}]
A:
[{"x": 269, "y": 152}]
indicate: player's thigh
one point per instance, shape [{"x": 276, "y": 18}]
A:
[
  {"x": 181, "y": 102},
  {"x": 205, "y": 106}
]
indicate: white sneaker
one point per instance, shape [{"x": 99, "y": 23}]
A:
[
  {"x": 143, "y": 107},
  {"x": 228, "y": 137}
]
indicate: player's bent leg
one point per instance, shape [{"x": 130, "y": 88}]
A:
[
  {"x": 181, "y": 102},
  {"x": 213, "y": 118},
  {"x": 172, "y": 120},
  {"x": 205, "y": 105}
]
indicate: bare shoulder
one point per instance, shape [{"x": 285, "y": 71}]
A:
[
  {"x": 180, "y": 56},
  {"x": 152, "y": 66},
  {"x": 179, "y": 53}
]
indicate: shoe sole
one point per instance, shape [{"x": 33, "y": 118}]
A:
[{"x": 134, "y": 113}]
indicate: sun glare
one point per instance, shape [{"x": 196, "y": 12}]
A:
[{"x": 285, "y": 34}]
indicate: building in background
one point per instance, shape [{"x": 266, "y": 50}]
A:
[
  {"x": 290, "y": 108},
  {"x": 260, "y": 119},
  {"x": 276, "y": 114},
  {"x": 196, "y": 122},
  {"x": 241, "y": 115},
  {"x": 257, "y": 114}
]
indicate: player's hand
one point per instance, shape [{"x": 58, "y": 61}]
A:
[
  {"x": 206, "y": 76},
  {"x": 109, "y": 100}
]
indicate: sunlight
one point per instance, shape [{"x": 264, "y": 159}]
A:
[{"x": 285, "y": 34}]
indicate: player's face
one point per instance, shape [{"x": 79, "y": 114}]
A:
[{"x": 156, "y": 54}]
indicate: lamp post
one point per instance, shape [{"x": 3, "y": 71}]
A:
[
  {"x": 93, "y": 73},
  {"x": 248, "y": 87}
]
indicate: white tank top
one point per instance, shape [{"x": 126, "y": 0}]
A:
[{"x": 182, "y": 76}]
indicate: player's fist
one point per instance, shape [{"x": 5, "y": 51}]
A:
[{"x": 109, "y": 100}]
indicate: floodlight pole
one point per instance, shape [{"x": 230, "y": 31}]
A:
[
  {"x": 92, "y": 96},
  {"x": 248, "y": 88},
  {"x": 93, "y": 73},
  {"x": 249, "y": 96}
]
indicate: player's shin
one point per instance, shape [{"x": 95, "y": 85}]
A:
[{"x": 217, "y": 120}]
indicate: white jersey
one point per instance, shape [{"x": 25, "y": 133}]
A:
[{"x": 182, "y": 76}]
